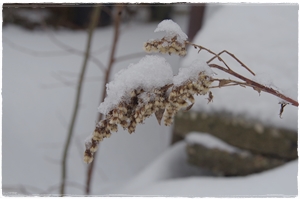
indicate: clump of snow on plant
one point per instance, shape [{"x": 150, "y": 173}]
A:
[
  {"x": 150, "y": 72},
  {"x": 210, "y": 142},
  {"x": 191, "y": 72},
  {"x": 172, "y": 29}
]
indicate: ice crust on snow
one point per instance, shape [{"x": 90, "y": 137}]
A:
[
  {"x": 150, "y": 72},
  {"x": 191, "y": 72},
  {"x": 172, "y": 29},
  {"x": 210, "y": 142}
]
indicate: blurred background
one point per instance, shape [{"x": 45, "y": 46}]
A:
[{"x": 235, "y": 146}]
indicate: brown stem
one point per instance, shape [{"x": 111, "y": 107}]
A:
[
  {"x": 211, "y": 52},
  {"x": 106, "y": 79},
  {"x": 256, "y": 85},
  {"x": 234, "y": 57},
  {"x": 72, "y": 50},
  {"x": 94, "y": 21},
  {"x": 218, "y": 56}
]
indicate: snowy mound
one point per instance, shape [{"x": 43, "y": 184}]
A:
[
  {"x": 170, "y": 175},
  {"x": 210, "y": 142}
]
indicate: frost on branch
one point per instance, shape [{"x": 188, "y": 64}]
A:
[
  {"x": 173, "y": 42},
  {"x": 144, "y": 89}
]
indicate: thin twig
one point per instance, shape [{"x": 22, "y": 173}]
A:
[
  {"x": 106, "y": 79},
  {"x": 68, "y": 50},
  {"x": 69, "y": 83},
  {"x": 225, "y": 85},
  {"x": 73, "y": 50},
  {"x": 211, "y": 52},
  {"x": 234, "y": 57},
  {"x": 94, "y": 21},
  {"x": 32, "y": 52},
  {"x": 255, "y": 85},
  {"x": 219, "y": 58}
]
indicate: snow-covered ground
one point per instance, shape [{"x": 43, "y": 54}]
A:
[{"x": 37, "y": 108}]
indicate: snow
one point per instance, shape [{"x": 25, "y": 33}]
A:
[
  {"x": 210, "y": 142},
  {"x": 150, "y": 72},
  {"x": 172, "y": 29},
  {"x": 263, "y": 40},
  {"x": 272, "y": 183},
  {"x": 37, "y": 108},
  {"x": 182, "y": 180},
  {"x": 159, "y": 170},
  {"x": 191, "y": 72}
]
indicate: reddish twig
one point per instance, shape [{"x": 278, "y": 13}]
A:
[
  {"x": 256, "y": 86},
  {"x": 94, "y": 21},
  {"x": 112, "y": 59},
  {"x": 234, "y": 57}
]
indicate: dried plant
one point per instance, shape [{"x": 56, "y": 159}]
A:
[{"x": 139, "y": 100}]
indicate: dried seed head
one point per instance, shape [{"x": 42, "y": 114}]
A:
[
  {"x": 108, "y": 135},
  {"x": 138, "y": 120},
  {"x": 98, "y": 136},
  {"x": 133, "y": 93},
  {"x": 140, "y": 104},
  {"x": 94, "y": 146},
  {"x": 191, "y": 98},
  {"x": 112, "y": 127},
  {"x": 88, "y": 156},
  {"x": 131, "y": 128},
  {"x": 114, "y": 120},
  {"x": 124, "y": 124},
  {"x": 166, "y": 45}
]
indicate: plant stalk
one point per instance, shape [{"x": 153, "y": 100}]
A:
[
  {"x": 106, "y": 79},
  {"x": 94, "y": 21}
]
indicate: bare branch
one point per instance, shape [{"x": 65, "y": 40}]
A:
[
  {"x": 73, "y": 50},
  {"x": 211, "y": 52},
  {"x": 256, "y": 85},
  {"x": 234, "y": 57},
  {"x": 94, "y": 21},
  {"x": 112, "y": 59},
  {"x": 34, "y": 52}
]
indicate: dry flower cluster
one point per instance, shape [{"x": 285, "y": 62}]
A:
[
  {"x": 142, "y": 105},
  {"x": 179, "y": 95},
  {"x": 166, "y": 45},
  {"x": 167, "y": 100}
]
